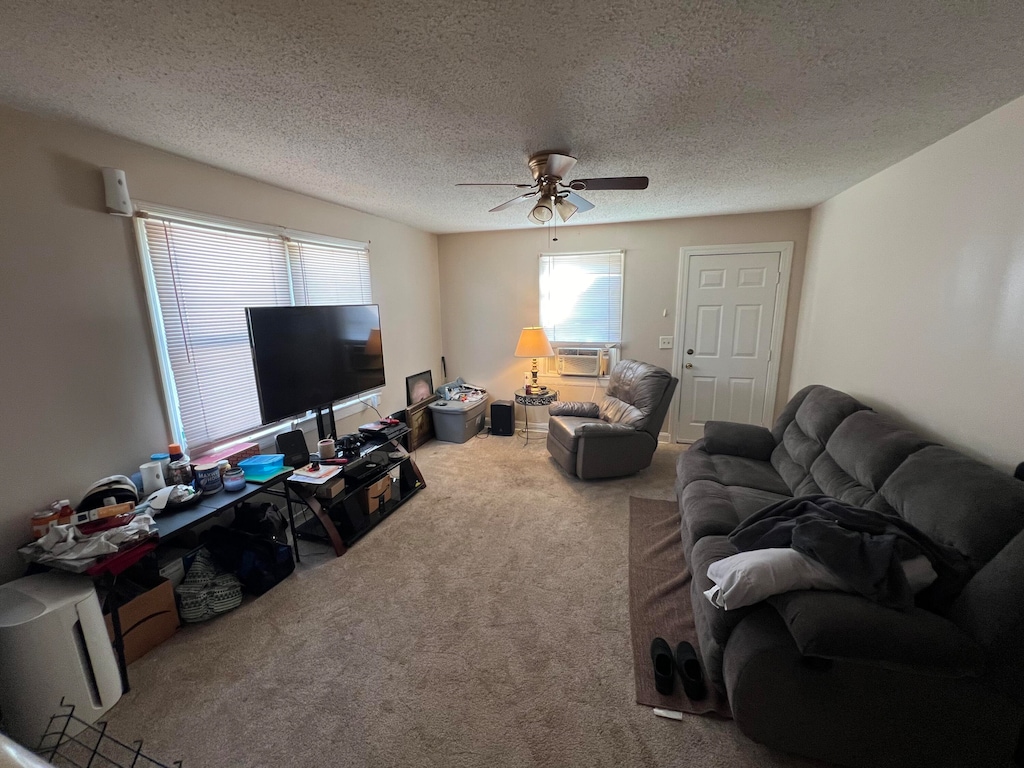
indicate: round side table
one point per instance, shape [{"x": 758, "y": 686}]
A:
[{"x": 547, "y": 397}]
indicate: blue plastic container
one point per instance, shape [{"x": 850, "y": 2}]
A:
[{"x": 261, "y": 468}]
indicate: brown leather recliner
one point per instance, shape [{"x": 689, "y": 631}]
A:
[{"x": 617, "y": 437}]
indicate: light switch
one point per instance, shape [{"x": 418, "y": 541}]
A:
[{"x": 664, "y": 342}]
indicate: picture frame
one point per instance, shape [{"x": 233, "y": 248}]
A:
[
  {"x": 419, "y": 388},
  {"x": 420, "y": 422}
]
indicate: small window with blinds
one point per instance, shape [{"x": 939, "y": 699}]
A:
[
  {"x": 201, "y": 277},
  {"x": 581, "y": 297}
]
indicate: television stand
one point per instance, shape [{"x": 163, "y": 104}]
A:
[{"x": 344, "y": 519}]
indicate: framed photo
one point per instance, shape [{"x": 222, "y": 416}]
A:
[
  {"x": 420, "y": 422},
  {"x": 418, "y": 388}
]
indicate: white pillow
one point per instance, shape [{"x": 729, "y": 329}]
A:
[{"x": 750, "y": 577}]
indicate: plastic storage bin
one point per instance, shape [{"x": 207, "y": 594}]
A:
[
  {"x": 456, "y": 421},
  {"x": 263, "y": 467}
]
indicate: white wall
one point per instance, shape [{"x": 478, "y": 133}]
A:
[
  {"x": 489, "y": 287},
  {"x": 914, "y": 290},
  {"x": 79, "y": 386}
]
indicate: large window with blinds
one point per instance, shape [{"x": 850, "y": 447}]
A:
[
  {"x": 581, "y": 297},
  {"x": 201, "y": 275}
]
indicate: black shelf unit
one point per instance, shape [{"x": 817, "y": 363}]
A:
[{"x": 347, "y": 510}]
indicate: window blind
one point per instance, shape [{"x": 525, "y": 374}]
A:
[
  {"x": 326, "y": 274},
  {"x": 581, "y": 296},
  {"x": 204, "y": 277}
]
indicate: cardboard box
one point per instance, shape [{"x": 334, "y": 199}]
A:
[
  {"x": 233, "y": 454},
  {"x": 331, "y": 488},
  {"x": 375, "y": 494},
  {"x": 146, "y": 620}
]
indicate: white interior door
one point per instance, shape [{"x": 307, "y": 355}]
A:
[{"x": 731, "y": 322}]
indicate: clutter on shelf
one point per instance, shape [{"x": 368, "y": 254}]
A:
[
  {"x": 460, "y": 390},
  {"x": 116, "y": 512}
]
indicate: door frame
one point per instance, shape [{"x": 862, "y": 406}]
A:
[{"x": 785, "y": 250}]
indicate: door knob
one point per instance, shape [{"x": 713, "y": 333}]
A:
[{"x": 688, "y": 365}]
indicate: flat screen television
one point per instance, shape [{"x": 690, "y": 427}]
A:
[{"x": 305, "y": 358}]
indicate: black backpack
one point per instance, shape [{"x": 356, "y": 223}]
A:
[{"x": 259, "y": 562}]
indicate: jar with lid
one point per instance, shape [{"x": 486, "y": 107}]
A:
[{"x": 234, "y": 479}]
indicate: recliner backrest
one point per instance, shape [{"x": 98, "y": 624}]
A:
[{"x": 636, "y": 395}]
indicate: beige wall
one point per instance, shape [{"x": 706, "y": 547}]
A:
[
  {"x": 79, "y": 388},
  {"x": 914, "y": 294},
  {"x": 489, "y": 287}
]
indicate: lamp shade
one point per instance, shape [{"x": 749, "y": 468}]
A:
[
  {"x": 533, "y": 342},
  {"x": 373, "y": 344}
]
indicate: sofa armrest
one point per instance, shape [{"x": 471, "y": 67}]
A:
[
  {"x": 570, "y": 408},
  {"x": 837, "y": 625},
  {"x": 603, "y": 429},
  {"x": 747, "y": 440}
]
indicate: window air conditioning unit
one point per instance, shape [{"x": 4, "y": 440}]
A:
[{"x": 580, "y": 361}]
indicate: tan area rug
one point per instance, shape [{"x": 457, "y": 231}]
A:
[{"x": 659, "y": 602}]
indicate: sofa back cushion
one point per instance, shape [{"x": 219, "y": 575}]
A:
[
  {"x": 861, "y": 455},
  {"x": 805, "y": 431},
  {"x": 958, "y": 501}
]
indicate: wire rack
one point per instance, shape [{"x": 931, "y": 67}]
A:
[{"x": 70, "y": 741}]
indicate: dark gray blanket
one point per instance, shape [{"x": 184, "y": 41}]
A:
[{"x": 862, "y": 547}]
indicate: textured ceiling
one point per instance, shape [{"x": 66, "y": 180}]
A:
[{"x": 384, "y": 106}]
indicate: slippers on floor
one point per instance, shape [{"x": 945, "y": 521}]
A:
[
  {"x": 661, "y": 657},
  {"x": 690, "y": 672}
]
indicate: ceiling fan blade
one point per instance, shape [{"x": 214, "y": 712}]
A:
[
  {"x": 494, "y": 184},
  {"x": 615, "y": 182},
  {"x": 513, "y": 201},
  {"x": 579, "y": 202},
  {"x": 560, "y": 165}
]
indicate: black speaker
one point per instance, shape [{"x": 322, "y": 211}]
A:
[
  {"x": 293, "y": 446},
  {"x": 502, "y": 418}
]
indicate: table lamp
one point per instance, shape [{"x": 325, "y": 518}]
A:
[{"x": 533, "y": 343}]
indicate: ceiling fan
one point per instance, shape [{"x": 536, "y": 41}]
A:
[{"x": 552, "y": 194}]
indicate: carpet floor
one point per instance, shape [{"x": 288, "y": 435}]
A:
[{"x": 485, "y": 623}]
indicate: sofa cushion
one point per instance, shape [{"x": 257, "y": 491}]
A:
[
  {"x": 869, "y": 447},
  {"x": 836, "y": 625},
  {"x": 708, "y": 510},
  {"x": 803, "y": 437},
  {"x": 789, "y": 412},
  {"x": 698, "y": 464},
  {"x": 946, "y": 495},
  {"x": 749, "y": 473},
  {"x": 823, "y": 410}
]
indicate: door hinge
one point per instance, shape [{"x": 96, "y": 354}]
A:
[{"x": 778, "y": 278}]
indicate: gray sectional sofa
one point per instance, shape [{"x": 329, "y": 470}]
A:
[{"x": 832, "y": 675}]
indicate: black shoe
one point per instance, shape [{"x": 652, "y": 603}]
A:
[
  {"x": 690, "y": 672},
  {"x": 661, "y": 655}
]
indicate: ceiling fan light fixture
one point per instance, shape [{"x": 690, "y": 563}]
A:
[
  {"x": 542, "y": 212},
  {"x": 565, "y": 208}
]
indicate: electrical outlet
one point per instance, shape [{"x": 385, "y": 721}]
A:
[{"x": 664, "y": 342}]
